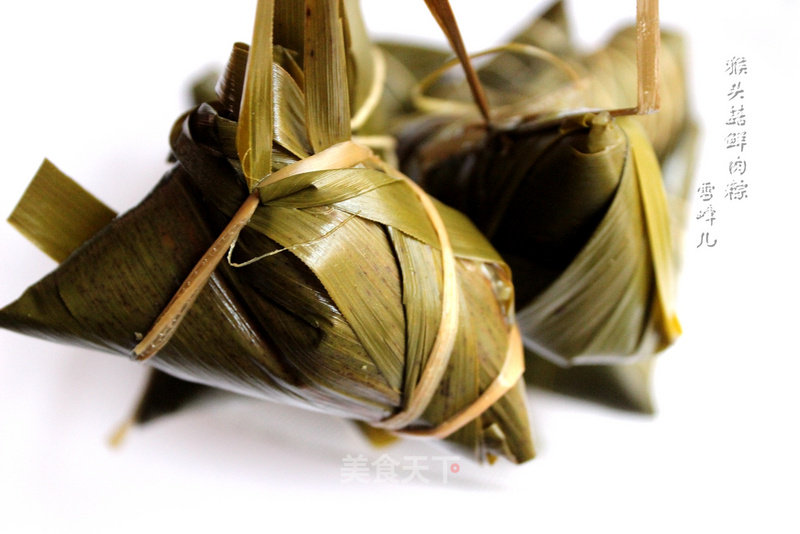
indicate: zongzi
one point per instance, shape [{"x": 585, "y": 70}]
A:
[
  {"x": 573, "y": 200},
  {"x": 346, "y": 289}
]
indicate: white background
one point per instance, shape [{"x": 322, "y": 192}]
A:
[{"x": 95, "y": 87}]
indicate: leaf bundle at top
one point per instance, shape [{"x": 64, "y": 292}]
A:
[
  {"x": 346, "y": 289},
  {"x": 520, "y": 79}
]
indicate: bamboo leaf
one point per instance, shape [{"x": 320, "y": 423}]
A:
[
  {"x": 656, "y": 215},
  {"x": 254, "y": 137},
  {"x": 379, "y": 327},
  {"x": 230, "y": 86},
  {"x": 288, "y": 108},
  {"x": 164, "y": 394},
  {"x": 327, "y": 103},
  {"x": 289, "y": 26},
  {"x": 549, "y": 31},
  {"x": 362, "y": 79},
  {"x": 56, "y": 214},
  {"x": 418, "y": 61}
]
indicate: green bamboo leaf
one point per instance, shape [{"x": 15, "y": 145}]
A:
[
  {"x": 56, "y": 214},
  {"x": 549, "y": 31},
  {"x": 288, "y": 106},
  {"x": 362, "y": 75},
  {"x": 656, "y": 216},
  {"x": 254, "y": 138},
  {"x": 327, "y": 103},
  {"x": 418, "y": 60}
]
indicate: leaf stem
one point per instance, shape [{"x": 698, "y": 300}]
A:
[
  {"x": 443, "y": 13},
  {"x": 648, "y": 45}
]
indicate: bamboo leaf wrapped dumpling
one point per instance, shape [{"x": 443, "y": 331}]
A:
[
  {"x": 581, "y": 265},
  {"x": 574, "y": 202},
  {"x": 357, "y": 295},
  {"x": 511, "y": 77}
]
